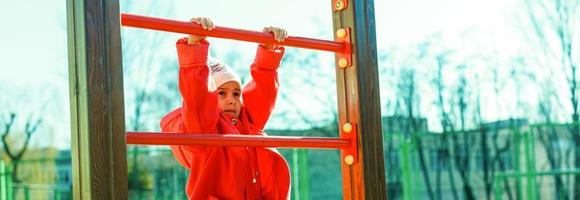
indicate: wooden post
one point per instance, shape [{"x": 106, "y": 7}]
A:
[
  {"x": 96, "y": 94},
  {"x": 358, "y": 100}
]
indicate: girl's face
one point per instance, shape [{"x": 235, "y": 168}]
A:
[{"x": 229, "y": 99}]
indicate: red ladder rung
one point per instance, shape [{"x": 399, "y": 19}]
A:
[
  {"x": 155, "y": 138},
  {"x": 187, "y": 27}
]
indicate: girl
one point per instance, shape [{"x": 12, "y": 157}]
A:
[{"x": 215, "y": 103}]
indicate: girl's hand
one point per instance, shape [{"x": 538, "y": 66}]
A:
[
  {"x": 279, "y": 35},
  {"x": 206, "y": 24}
]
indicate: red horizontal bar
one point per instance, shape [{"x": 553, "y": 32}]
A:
[
  {"x": 187, "y": 27},
  {"x": 152, "y": 138}
]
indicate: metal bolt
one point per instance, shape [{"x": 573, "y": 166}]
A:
[
  {"x": 347, "y": 127},
  {"x": 349, "y": 159},
  {"x": 341, "y": 33},
  {"x": 339, "y": 5},
  {"x": 342, "y": 62}
]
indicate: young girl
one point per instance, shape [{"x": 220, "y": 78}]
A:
[{"x": 214, "y": 103}]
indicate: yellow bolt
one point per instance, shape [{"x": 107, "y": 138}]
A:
[
  {"x": 347, "y": 127},
  {"x": 339, "y": 5},
  {"x": 342, "y": 62},
  {"x": 349, "y": 159},
  {"x": 341, "y": 33}
]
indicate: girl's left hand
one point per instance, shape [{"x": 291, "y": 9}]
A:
[{"x": 279, "y": 35}]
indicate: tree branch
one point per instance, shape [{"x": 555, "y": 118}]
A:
[{"x": 7, "y": 127}]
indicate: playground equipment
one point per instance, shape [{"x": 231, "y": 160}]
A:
[{"x": 97, "y": 108}]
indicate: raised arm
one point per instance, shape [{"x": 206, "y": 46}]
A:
[
  {"x": 260, "y": 93},
  {"x": 198, "y": 113},
  {"x": 200, "y": 110}
]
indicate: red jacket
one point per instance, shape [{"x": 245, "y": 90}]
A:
[{"x": 227, "y": 172}]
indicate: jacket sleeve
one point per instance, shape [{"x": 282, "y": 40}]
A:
[
  {"x": 260, "y": 92},
  {"x": 200, "y": 111}
]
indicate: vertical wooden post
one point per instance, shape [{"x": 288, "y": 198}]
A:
[
  {"x": 96, "y": 94},
  {"x": 358, "y": 100}
]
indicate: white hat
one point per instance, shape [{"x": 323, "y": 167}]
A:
[{"x": 221, "y": 73}]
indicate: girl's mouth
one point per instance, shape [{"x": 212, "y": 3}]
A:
[{"x": 229, "y": 112}]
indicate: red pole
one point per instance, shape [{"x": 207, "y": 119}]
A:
[
  {"x": 187, "y": 27},
  {"x": 144, "y": 138}
]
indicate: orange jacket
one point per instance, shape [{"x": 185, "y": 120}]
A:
[{"x": 227, "y": 172}]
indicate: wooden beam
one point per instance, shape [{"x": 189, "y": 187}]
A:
[
  {"x": 358, "y": 101},
  {"x": 96, "y": 98}
]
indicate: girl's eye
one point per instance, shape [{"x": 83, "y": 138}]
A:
[
  {"x": 221, "y": 93},
  {"x": 236, "y": 94}
]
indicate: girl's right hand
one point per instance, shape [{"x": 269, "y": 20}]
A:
[
  {"x": 280, "y": 35},
  {"x": 206, "y": 24}
]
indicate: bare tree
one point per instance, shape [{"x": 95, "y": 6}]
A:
[
  {"x": 15, "y": 156},
  {"x": 497, "y": 153},
  {"x": 556, "y": 39},
  {"x": 392, "y": 140},
  {"x": 484, "y": 151},
  {"x": 462, "y": 149},
  {"x": 550, "y": 138},
  {"x": 447, "y": 124},
  {"x": 409, "y": 100}
]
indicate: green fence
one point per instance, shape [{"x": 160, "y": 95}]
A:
[
  {"x": 501, "y": 162},
  {"x": 532, "y": 193},
  {"x": 10, "y": 190}
]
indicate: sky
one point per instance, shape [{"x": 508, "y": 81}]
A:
[
  {"x": 33, "y": 54},
  {"x": 33, "y": 67}
]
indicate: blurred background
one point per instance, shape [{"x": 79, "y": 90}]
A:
[{"x": 479, "y": 99}]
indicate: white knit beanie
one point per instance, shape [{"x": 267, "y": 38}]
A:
[{"x": 221, "y": 73}]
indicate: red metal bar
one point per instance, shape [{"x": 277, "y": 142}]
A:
[
  {"x": 151, "y": 138},
  {"x": 160, "y": 24}
]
